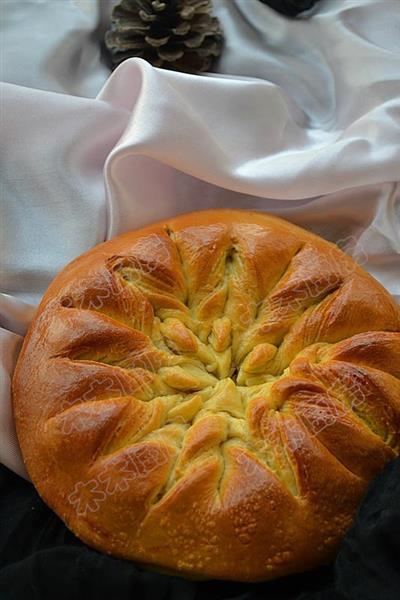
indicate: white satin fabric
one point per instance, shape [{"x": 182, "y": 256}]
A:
[{"x": 302, "y": 119}]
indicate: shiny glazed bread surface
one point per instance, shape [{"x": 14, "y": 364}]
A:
[{"x": 211, "y": 395}]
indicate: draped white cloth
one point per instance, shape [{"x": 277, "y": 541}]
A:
[{"x": 302, "y": 119}]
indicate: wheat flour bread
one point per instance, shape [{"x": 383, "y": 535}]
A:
[{"x": 211, "y": 395}]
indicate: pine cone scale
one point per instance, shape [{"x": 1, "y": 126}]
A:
[
  {"x": 195, "y": 40},
  {"x": 146, "y": 17},
  {"x": 158, "y": 6},
  {"x": 156, "y": 42},
  {"x": 132, "y": 28},
  {"x": 170, "y": 55},
  {"x": 182, "y": 29}
]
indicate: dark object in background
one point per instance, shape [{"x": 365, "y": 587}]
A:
[
  {"x": 40, "y": 559},
  {"x": 181, "y": 35},
  {"x": 290, "y": 8}
]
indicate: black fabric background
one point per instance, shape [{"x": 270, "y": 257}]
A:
[
  {"x": 290, "y": 8},
  {"x": 40, "y": 559}
]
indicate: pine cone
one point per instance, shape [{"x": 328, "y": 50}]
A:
[{"x": 176, "y": 34}]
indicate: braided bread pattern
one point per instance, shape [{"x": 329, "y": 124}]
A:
[{"x": 211, "y": 395}]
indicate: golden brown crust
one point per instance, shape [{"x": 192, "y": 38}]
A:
[{"x": 211, "y": 395}]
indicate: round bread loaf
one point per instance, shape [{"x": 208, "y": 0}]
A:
[{"x": 211, "y": 395}]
